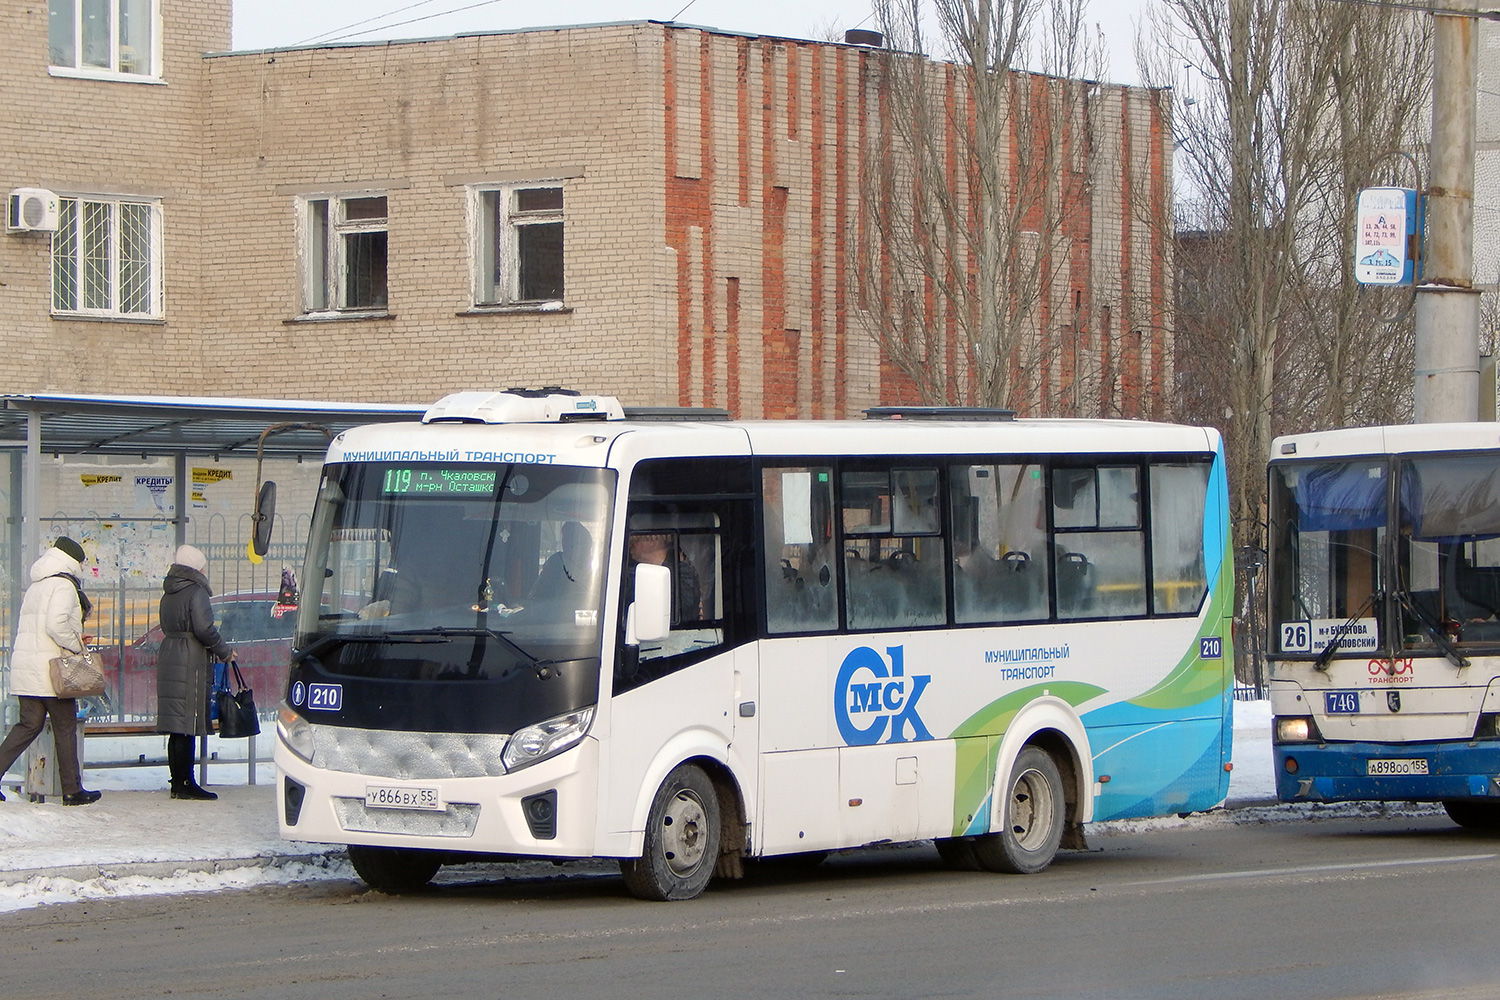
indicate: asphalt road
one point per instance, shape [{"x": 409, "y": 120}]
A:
[{"x": 1389, "y": 908}]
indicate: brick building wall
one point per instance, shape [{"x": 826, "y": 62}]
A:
[
  {"x": 710, "y": 187},
  {"x": 105, "y": 137},
  {"x": 423, "y": 122}
]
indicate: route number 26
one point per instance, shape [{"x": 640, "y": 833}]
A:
[{"x": 1296, "y": 637}]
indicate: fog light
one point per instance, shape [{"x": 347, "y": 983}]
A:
[
  {"x": 1291, "y": 765},
  {"x": 541, "y": 814},
  {"x": 292, "y": 795}
]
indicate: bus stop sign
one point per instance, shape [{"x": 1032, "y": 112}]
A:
[{"x": 1386, "y": 240}]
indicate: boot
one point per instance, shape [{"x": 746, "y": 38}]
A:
[
  {"x": 180, "y": 765},
  {"x": 192, "y": 790}
]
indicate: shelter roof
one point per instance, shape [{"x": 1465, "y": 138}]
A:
[{"x": 169, "y": 425}]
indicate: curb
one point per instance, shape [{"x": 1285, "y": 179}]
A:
[
  {"x": 165, "y": 869},
  {"x": 1252, "y": 803},
  {"x": 316, "y": 859}
]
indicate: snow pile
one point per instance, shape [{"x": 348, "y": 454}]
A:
[{"x": 139, "y": 841}]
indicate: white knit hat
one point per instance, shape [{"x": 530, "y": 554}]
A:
[{"x": 192, "y": 558}]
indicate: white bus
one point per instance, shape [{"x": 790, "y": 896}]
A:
[
  {"x": 1384, "y": 589},
  {"x": 534, "y": 625}
]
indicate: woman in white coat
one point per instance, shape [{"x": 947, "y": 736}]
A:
[{"x": 51, "y": 624}]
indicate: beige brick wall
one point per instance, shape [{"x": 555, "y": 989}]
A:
[
  {"x": 104, "y": 137},
  {"x": 423, "y": 121},
  {"x": 710, "y": 184}
]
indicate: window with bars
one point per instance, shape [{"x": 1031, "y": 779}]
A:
[
  {"x": 520, "y": 245},
  {"x": 103, "y": 36},
  {"x": 106, "y": 259},
  {"x": 344, "y": 253}
]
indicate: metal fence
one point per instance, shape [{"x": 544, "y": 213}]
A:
[
  {"x": 1249, "y": 692},
  {"x": 126, "y": 609}
]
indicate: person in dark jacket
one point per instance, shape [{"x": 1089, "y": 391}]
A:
[{"x": 184, "y": 667}]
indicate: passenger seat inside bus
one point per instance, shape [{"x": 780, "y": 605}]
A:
[{"x": 1075, "y": 590}]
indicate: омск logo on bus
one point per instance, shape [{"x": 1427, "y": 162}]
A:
[{"x": 871, "y": 696}]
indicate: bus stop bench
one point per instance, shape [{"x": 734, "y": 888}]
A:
[
  {"x": 120, "y": 729},
  {"x": 126, "y": 729}
]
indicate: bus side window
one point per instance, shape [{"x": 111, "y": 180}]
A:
[
  {"x": 1000, "y": 569},
  {"x": 893, "y": 551},
  {"x": 801, "y": 572},
  {"x": 1099, "y": 551},
  {"x": 689, "y": 544},
  {"x": 1179, "y": 580}
]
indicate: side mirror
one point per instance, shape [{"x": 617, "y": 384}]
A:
[
  {"x": 264, "y": 518},
  {"x": 650, "y": 616}
]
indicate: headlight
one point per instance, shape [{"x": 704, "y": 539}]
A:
[
  {"x": 295, "y": 731},
  {"x": 1296, "y": 729},
  {"x": 544, "y": 739}
]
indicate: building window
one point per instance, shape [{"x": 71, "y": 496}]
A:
[
  {"x": 345, "y": 253},
  {"x": 103, "y": 36},
  {"x": 106, "y": 259},
  {"x": 520, "y": 243}
]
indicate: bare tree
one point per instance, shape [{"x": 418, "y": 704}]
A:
[
  {"x": 965, "y": 189},
  {"x": 1289, "y": 107}
]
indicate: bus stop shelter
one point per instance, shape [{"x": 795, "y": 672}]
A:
[{"x": 132, "y": 477}]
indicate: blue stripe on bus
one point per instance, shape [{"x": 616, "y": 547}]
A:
[
  {"x": 1215, "y": 519},
  {"x": 1337, "y": 773}
]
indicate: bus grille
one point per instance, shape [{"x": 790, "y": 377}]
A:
[
  {"x": 408, "y": 756},
  {"x": 457, "y": 820}
]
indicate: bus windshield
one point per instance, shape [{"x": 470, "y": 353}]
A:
[
  {"x": 1450, "y": 549},
  {"x": 1337, "y": 581},
  {"x": 430, "y": 552},
  {"x": 1328, "y": 526}
]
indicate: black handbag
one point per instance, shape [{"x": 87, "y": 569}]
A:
[{"x": 238, "y": 718}]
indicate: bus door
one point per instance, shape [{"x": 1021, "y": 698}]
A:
[{"x": 684, "y": 694}]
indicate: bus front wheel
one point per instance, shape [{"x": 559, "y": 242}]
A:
[
  {"x": 1473, "y": 815},
  {"x": 682, "y": 839},
  {"x": 394, "y": 870},
  {"x": 1032, "y": 824}
]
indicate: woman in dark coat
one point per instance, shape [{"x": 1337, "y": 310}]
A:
[{"x": 184, "y": 667}]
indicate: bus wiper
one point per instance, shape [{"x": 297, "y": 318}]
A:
[
  {"x": 1439, "y": 637},
  {"x": 447, "y": 631},
  {"x": 341, "y": 638},
  {"x": 1321, "y": 663}
]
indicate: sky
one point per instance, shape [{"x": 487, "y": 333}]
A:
[{"x": 262, "y": 24}]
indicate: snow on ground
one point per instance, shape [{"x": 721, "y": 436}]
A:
[
  {"x": 1253, "y": 776},
  {"x": 138, "y": 841}
]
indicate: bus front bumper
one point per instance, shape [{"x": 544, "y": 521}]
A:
[{"x": 1421, "y": 772}]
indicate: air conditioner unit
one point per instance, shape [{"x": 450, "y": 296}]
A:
[{"x": 32, "y": 210}]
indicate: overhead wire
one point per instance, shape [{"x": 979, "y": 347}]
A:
[
  {"x": 377, "y": 17},
  {"x": 400, "y": 24}
]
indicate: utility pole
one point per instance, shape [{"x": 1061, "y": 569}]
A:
[{"x": 1447, "y": 348}]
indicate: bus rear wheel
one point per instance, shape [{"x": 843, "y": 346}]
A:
[
  {"x": 394, "y": 870},
  {"x": 1031, "y": 826},
  {"x": 1473, "y": 815},
  {"x": 682, "y": 839},
  {"x": 957, "y": 853}
]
